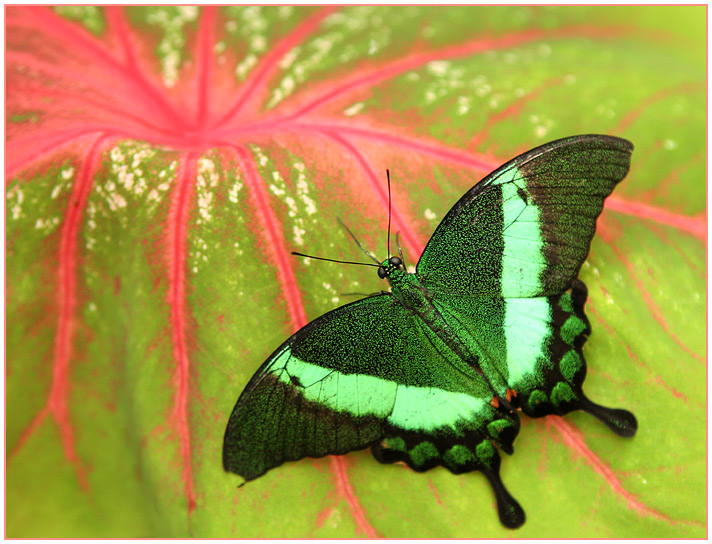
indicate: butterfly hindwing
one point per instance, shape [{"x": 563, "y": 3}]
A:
[
  {"x": 369, "y": 374},
  {"x": 533, "y": 347},
  {"x": 525, "y": 230},
  {"x": 550, "y": 381}
]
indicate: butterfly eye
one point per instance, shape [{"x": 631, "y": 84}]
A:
[
  {"x": 395, "y": 261},
  {"x": 381, "y": 272}
]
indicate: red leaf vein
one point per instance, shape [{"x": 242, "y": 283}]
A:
[
  {"x": 57, "y": 400},
  {"x": 573, "y": 439},
  {"x": 177, "y": 251}
]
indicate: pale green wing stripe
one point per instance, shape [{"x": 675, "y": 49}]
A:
[
  {"x": 527, "y": 330},
  {"x": 408, "y": 407},
  {"x": 429, "y": 408},
  {"x": 523, "y": 260},
  {"x": 526, "y": 320}
]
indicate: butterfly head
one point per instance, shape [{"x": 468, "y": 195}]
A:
[{"x": 389, "y": 266}]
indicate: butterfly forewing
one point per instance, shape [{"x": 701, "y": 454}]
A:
[
  {"x": 360, "y": 374},
  {"x": 525, "y": 230}
]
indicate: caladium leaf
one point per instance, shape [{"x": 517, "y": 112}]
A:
[{"x": 161, "y": 164}]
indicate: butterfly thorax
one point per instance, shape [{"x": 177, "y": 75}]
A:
[
  {"x": 405, "y": 287},
  {"x": 414, "y": 296}
]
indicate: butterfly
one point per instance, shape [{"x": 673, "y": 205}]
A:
[{"x": 435, "y": 371}]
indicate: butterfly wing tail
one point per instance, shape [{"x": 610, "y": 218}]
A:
[{"x": 620, "y": 421}]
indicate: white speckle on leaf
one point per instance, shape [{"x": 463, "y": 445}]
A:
[
  {"x": 298, "y": 233},
  {"x": 247, "y": 64},
  {"x": 16, "y": 193},
  {"x": 116, "y": 201},
  {"x": 258, "y": 43},
  {"x": 288, "y": 85},
  {"x": 292, "y": 205},
  {"x": 287, "y": 60},
  {"x": 303, "y": 192},
  {"x": 463, "y": 105},
  {"x": 669, "y": 145},
  {"x": 483, "y": 90},
  {"x": 276, "y": 190},
  {"x": 353, "y": 109},
  {"x": 438, "y": 67},
  {"x": 234, "y": 191},
  {"x": 429, "y": 214},
  {"x": 372, "y": 47},
  {"x": 544, "y": 50},
  {"x": 207, "y": 178}
]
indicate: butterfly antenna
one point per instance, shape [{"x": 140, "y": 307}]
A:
[
  {"x": 358, "y": 243},
  {"x": 330, "y": 260},
  {"x": 400, "y": 249},
  {"x": 388, "y": 239}
]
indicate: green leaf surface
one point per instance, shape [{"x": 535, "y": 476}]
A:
[{"x": 162, "y": 162}]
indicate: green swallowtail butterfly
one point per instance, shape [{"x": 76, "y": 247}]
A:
[{"x": 434, "y": 371}]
